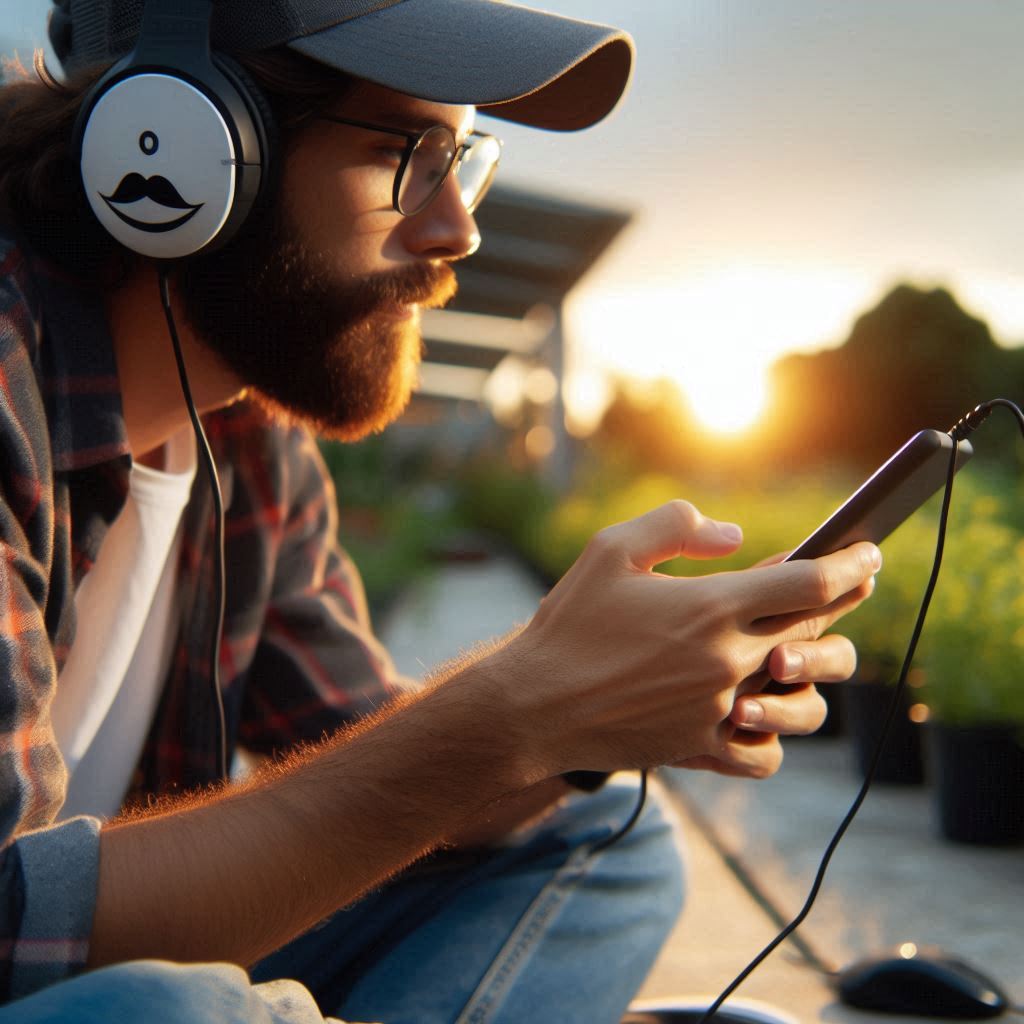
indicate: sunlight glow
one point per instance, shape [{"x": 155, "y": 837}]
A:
[
  {"x": 716, "y": 332},
  {"x": 728, "y": 403}
]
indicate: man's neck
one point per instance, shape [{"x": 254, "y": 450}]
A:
[{"x": 154, "y": 408}]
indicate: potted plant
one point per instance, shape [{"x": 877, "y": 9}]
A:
[
  {"x": 880, "y": 629},
  {"x": 973, "y": 652}
]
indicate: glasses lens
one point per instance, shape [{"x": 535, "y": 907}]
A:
[
  {"x": 476, "y": 169},
  {"x": 428, "y": 166}
]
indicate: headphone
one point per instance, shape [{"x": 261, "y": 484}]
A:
[
  {"x": 173, "y": 141},
  {"x": 174, "y": 148}
]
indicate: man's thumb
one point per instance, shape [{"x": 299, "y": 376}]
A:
[{"x": 674, "y": 529}]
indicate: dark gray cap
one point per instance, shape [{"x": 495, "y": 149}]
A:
[{"x": 510, "y": 61}]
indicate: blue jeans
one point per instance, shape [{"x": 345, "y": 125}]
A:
[{"x": 539, "y": 929}]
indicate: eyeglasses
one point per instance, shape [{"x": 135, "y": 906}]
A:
[{"x": 429, "y": 157}]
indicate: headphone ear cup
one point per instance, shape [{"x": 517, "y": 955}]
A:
[
  {"x": 173, "y": 163},
  {"x": 264, "y": 122}
]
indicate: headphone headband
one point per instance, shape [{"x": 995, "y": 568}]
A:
[{"x": 171, "y": 28}]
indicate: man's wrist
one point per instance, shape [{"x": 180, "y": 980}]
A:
[{"x": 489, "y": 687}]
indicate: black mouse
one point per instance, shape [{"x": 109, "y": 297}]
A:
[{"x": 928, "y": 984}]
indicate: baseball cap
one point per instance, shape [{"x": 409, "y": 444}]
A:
[{"x": 509, "y": 61}]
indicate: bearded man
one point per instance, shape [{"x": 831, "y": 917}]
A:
[{"x": 406, "y": 853}]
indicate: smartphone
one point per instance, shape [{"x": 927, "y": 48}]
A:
[{"x": 889, "y": 496}]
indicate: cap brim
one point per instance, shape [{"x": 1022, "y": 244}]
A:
[{"x": 511, "y": 62}]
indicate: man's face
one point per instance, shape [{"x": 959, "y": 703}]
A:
[{"x": 315, "y": 306}]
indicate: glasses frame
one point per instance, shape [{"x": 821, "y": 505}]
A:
[{"x": 412, "y": 142}]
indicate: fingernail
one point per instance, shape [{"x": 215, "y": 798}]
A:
[
  {"x": 731, "y": 532},
  {"x": 876, "y": 559},
  {"x": 792, "y": 664},
  {"x": 753, "y": 713}
]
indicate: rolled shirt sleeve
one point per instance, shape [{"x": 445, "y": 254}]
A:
[{"x": 49, "y": 897}]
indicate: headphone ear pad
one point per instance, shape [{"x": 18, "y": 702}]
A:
[{"x": 263, "y": 119}]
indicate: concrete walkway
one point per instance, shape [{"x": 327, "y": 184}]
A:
[{"x": 753, "y": 847}]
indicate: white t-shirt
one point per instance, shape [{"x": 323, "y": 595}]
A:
[{"x": 110, "y": 684}]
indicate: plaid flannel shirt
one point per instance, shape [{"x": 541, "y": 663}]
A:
[{"x": 298, "y": 657}]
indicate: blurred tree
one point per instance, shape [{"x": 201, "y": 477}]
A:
[
  {"x": 916, "y": 360},
  {"x": 645, "y": 427}
]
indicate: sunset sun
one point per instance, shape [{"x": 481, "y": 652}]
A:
[
  {"x": 728, "y": 403},
  {"x": 716, "y": 333}
]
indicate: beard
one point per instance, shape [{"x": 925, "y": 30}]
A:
[{"x": 332, "y": 352}]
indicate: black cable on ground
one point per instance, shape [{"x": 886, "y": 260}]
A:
[
  {"x": 967, "y": 425},
  {"x": 876, "y": 757}
]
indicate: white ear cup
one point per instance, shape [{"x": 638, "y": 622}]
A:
[{"x": 159, "y": 166}]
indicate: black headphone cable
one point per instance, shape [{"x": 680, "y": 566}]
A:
[
  {"x": 219, "y": 570},
  {"x": 218, "y": 524},
  {"x": 959, "y": 432}
]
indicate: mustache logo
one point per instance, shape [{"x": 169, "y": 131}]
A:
[{"x": 158, "y": 190}]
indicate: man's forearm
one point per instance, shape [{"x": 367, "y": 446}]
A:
[
  {"x": 235, "y": 875},
  {"x": 516, "y": 811}
]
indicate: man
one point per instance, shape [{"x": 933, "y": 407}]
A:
[{"x": 309, "y": 316}]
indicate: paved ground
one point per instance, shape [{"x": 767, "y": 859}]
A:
[
  {"x": 893, "y": 880},
  {"x": 753, "y": 847}
]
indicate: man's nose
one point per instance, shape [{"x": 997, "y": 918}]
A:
[{"x": 444, "y": 229}]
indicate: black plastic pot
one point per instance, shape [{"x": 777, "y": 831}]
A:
[
  {"x": 979, "y": 779},
  {"x": 865, "y": 706}
]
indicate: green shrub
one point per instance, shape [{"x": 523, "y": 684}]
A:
[
  {"x": 973, "y": 643},
  {"x": 773, "y": 520},
  {"x": 392, "y": 521}
]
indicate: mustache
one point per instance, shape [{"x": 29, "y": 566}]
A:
[
  {"x": 134, "y": 187},
  {"x": 425, "y": 284}
]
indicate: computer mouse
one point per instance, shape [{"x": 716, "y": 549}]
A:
[{"x": 929, "y": 984}]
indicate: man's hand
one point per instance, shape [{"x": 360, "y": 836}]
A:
[{"x": 623, "y": 667}]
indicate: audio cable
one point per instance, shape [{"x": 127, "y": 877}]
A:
[
  {"x": 630, "y": 821},
  {"x": 963, "y": 427},
  {"x": 203, "y": 445},
  {"x": 219, "y": 568}
]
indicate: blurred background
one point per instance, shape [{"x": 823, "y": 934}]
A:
[{"x": 795, "y": 243}]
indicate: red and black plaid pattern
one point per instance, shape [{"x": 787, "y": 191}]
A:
[{"x": 298, "y": 657}]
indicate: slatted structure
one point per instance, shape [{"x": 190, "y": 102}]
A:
[{"x": 535, "y": 249}]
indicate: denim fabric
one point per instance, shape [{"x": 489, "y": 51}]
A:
[
  {"x": 542, "y": 929},
  {"x": 157, "y": 992}
]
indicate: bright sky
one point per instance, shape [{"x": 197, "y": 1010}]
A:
[{"x": 787, "y": 162}]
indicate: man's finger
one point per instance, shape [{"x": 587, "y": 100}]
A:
[
  {"x": 828, "y": 660},
  {"x": 802, "y": 626},
  {"x": 797, "y": 713},
  {"x": 815, "y": 583},
  {"x": 674, "y": 529},
  {"x": 752, "y": 755}
]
